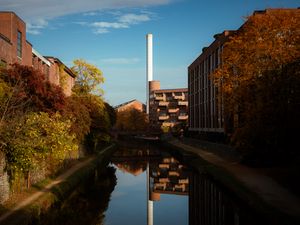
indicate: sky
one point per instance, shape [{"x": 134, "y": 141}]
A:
[{"x": 111, "y": 34}]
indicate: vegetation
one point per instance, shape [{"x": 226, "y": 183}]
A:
[
  {"x": 40, "y": 127},
  {"x": 131, "y": 120},
  {"x": 260, "y": 80}
]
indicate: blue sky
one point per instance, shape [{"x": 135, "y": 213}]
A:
[{"x": 111, "y": 35}]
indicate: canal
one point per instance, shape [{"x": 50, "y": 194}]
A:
[{"x": 146, "y": 185}]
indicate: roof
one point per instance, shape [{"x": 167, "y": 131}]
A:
[
  {"x": 67, "y": 69},
  {"x": 171, "y": 90},
  {"x": 126, "y": 103}
]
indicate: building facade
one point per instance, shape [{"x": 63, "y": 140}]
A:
[
  {"x": 133, "y": 104},
  {"x": 206, "y": 112},
  {"x": 14, "y": 48},
  {"x": 168, "y": 107}
]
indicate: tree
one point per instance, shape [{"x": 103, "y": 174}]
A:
[
  {"x": 258, "y": 82},
  {"x": 88, "y": 78},
  {"x": 28, "y": 85},
  {"x": 37, "y": 138},
  {"x": 131, "y": 120}
]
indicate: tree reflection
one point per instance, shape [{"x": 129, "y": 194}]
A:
[{"x": 87, "y": 205}]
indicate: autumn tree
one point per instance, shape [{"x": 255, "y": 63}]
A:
[
  {"x": 256, "y": 81},
  {"x": 88, "y": 78},
  {"x": 131, "y": 120},
  {"x": 28, "y": 85}
]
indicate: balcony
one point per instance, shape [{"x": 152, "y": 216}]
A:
[
  {"x": 183, "y": 117},
  {"x": 173, "y": 110},
  {"x": 160, "y": 98},
  {"x": 183, "y": 103},
  {"x": 163, "y": 117},
  {"x": 163, "y": 103},
  {"x": 179, "y": 97}
]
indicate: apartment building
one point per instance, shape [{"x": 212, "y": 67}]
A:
[
  {"x": 169, "y": 177},
  {"x": 14, "y": 48},
  {"x": 168, "y": 107}
]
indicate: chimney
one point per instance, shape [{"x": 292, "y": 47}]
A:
[{"x": 149, "y": 71}]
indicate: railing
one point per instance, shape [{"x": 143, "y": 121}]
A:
[{"x": 182, "y": 103}]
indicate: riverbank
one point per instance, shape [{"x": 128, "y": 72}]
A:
[
  {"x": 54, "y": 191},
  {"x": 268, "y": 198}
]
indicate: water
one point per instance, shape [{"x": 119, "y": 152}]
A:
[
  {"x": 146, "y": 185},
  {"x": 165, "y": 200}
]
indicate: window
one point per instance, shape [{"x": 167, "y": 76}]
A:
[{"x": 19, "y": 44}]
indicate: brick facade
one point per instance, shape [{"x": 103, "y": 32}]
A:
[{"x": 14, "y": 48}]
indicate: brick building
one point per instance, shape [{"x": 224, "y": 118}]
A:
[
  {"x": 133, "y": 104},
  {"x": 205, "y": 99},
  {"x": 168, "y": 107},
  {"x": 14, "y": 48},
  {"x": 206, "y": 102}
]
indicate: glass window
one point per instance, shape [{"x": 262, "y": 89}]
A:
[{"x": 19, "y": 44}]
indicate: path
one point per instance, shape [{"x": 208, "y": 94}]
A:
[{"x": 265, "y": 187}]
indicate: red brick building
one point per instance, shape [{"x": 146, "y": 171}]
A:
[
  {"x": 14, "y": 48},
  {"x": 133, "y": 104},
  {"x": 206, "y": 113}
]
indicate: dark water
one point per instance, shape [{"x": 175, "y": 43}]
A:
[{"x": 146, "y": 185}]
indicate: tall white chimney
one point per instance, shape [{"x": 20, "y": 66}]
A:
[{"x": 149, "y": 39}]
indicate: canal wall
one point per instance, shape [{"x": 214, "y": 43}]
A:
[
  {"x": 58, "y": 193},
  {"x": 4, "y": 183},
  {"x": 264, "y": 198}
]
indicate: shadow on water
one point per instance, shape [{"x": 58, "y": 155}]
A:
[
  {"x": 154, "y": 187},
  {"x": 86, "y": 205}
]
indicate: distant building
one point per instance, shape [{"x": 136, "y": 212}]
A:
[
  {"x": 168, "y": 107},
  {"x": 133, "y": 104},
  {"x": 14, "y": 48}
]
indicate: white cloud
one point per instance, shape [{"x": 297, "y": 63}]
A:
[
  {"x": 122, "y": 21},
  {"x": 90, "y": 14},
  {"x": 134, "y": 18},
  {"x": 30, "y": 10},
  {"x": 101, "y": 31},
  {"x": 120, "y": 60},
  {"x": 115, "y": 25},
  {"x": 36, "y": 26}
]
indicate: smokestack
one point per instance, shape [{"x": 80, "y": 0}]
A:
[{"x": 149, "y": 66}]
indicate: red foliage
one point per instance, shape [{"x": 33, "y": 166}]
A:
[{"x": 32, "y": 84}]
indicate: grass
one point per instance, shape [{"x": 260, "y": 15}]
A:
[{"x": 57, "y": 194}]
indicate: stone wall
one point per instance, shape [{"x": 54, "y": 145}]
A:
[{"x": 4, "y": 184}]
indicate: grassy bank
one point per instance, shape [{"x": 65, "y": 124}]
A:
[{"x": 58, "y": 193}]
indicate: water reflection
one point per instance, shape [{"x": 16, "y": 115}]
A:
[
  {"x": 86, "y": 205},
  {"x": 146, "y": 186},
  {"x": 163, "y": 181}
]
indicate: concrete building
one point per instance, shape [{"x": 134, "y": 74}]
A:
[
  {"x": 168, "y": 107},
  {"x": 14, "y": 48},
  {"x": 169, "y": 177}
]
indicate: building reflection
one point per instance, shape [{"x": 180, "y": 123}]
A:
[
  {"x": 210, "y": 203},
  {"x": 168, "y": 176}
]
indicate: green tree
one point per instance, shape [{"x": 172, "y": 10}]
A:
[
  {"x": 88, "y": 78},
  {"x": 36, "y": 138}
]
